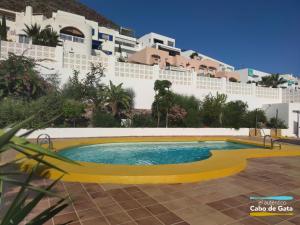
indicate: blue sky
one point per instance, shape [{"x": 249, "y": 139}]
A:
[{"x": 259, "y": 34}]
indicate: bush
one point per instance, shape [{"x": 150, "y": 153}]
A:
[
  {"x": 192, "y": 107},
  {"x": 176, "y": 116},
  {"x": 73, "y": 111},
  {"x": 234, "y": 114},
  {"x": 255, "y": 115},
  {"x": 143, "y": 120},
  {"x": 103, "y": 119},
  {"x": 46, "y": 108},
  {"x": 193, "y": 119},
  {"x": 279, "y": 124},
  {"x": 12, "y": 111}
]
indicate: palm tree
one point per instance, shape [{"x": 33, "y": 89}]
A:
[
  {"x": 220, "y": 101},
  {"x": 163, "y": 98},
  {"x": 274, "y": 81},
  {"x": 34, "y": 32},
  {"x": 3, "y": 29},
  {"x": 49, "y": 37},
  {"x": 40, "y": 36},
  {"x": 117, "y": 97}
]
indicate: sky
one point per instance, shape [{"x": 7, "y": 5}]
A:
[{"x": 257, "y": 34}]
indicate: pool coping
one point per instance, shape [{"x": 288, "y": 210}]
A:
[{"x": 220, "y": 164}]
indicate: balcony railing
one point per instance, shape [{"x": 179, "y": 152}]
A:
[{"x": 67, "y": 37}]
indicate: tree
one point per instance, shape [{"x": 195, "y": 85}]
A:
[
  {"x": 274, "y": 81},
  {"x": 177, "y": 115},
  {"x": 40, "y": 36},
  {"x": 49, "y": 37},
  {"x": 234, "y": 114},
  {"x": 163, "y": 99},
  {"x": 74, "y": 88},
  {"x": 194, "y": 55},
  {"x": 104, "y": 119},
  {"x": 255, "y": 118},
  {"x": 73, "y": 111},
  {"x": 232, "y": 79},
  {"x": 34, "y": 32},
  {"x": 19, "y": 78},
  {"x": 117, "y": 98},
  {"x": 212, "y": 109},
  {"x": 276, "y": 123},
  {"x": 192, "y": 107},
  {"x": 93, "y": 88},
  {"x": 3, "y": 29},
  {"x": 143, "y": 120}
]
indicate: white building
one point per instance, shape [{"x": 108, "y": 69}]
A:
[
  {"x": 291, "y": 80},
  {"x": 285, "y": 112},
  {"x": 78, "y": 34},
  {"x": 248, "y": 74},
  {"x": 158, "y": 41}
]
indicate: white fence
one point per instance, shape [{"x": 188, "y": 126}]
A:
[
  {"x": 37, "y": 52},
  {"x": 133, "y": 71},
  {"x": 82, "y": 62},
  {"x": 140, "y": 75},
  {"x": 138, "y": 132},
  {"x": 290, "y": 95}
]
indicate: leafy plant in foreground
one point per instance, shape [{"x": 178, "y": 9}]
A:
[{"x": 22, "y": 205}]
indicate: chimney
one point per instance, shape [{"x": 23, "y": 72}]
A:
[{"x": 28, "y": 10}]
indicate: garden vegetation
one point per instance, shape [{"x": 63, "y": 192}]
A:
[{"x": 85, "y": 101}]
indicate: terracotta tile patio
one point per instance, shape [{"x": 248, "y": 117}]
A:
[{"x": 215, "y": 202}]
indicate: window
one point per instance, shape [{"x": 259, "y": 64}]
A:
[
  {"x": 24, "y": 39},
  {"x": 66, "y": 37},
  {"x": 125, "y": 44},
  {"x": 93, "y": 32},
  {"x": 171, "y": 43},
  {"x": 158, "y": 41},
  {"x": 105, "y": 37},
  {"x": 78, "y": 39},
  {"x": 96, "y": 44}
]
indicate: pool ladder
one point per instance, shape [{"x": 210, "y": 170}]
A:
[
  {"x": 272, "y": 142},
  {"x": 44, "y": 139}
]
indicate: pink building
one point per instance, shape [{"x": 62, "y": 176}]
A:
[{"x": 203, "y": 67}]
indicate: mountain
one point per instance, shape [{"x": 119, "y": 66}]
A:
[{"x": 47, "y": 7}]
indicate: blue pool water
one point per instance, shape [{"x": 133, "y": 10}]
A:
[{"x": 149, "y": 153}]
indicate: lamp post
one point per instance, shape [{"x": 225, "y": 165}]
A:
[{"x": 298, "y": 113}]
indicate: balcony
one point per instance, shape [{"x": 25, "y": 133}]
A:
[
  {"x": 67, "y": 37},
  {"x": 176, "y": 68},
  {"x": 167, "y": 48}
]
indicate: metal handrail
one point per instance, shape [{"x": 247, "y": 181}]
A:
[
  {"x": 47, "y": 138},
  {"x": 265, "y": 137},
  {"x": 272, "y": 144}
]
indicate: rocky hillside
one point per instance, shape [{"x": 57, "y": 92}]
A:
[{"x": 47, "y": 7}]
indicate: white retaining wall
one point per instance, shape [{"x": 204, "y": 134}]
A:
[
  {"x": 141, "y": 78},
  {"x": 138, "y": 132}
]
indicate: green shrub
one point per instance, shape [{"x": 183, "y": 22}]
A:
[
  {"x": 234, "y": 114},
  {"x": 276, "y": 123},
  {"x": 103, "y": 119},
  {"x": 193, "y": 119},
  {"x": 73, "y": 112},
  {"x": 143, "y": 120},
  {"x": 256, "y": 115},
  {"x": 12, "y": 111}
]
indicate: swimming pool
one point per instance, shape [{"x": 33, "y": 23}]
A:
[{"x": 149, "y": 153}]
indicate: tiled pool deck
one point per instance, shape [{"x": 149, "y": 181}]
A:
[{"x": 216, "y": 202}]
